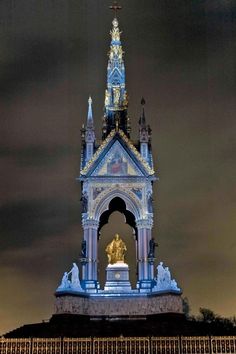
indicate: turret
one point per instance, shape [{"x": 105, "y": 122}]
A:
[
  {"x": 144, "y": 133},
  {"x": 89, "y": 133}
]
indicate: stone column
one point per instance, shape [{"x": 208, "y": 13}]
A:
[
  {"x": 90, "y": 280},
  {"x": 144, "y": 227}
]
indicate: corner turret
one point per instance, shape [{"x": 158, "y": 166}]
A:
[
  {"x": 144, "y": 133},
  {"x": 89, "y": 135}
]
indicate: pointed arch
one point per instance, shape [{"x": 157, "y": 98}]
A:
[
  {"x": 117, "y": 204},
  {"x": 132, "y": 204}
]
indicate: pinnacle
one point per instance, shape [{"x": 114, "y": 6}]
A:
[{"x": 143, "y": 101}]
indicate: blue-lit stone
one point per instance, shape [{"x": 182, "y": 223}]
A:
[{"x": 117, "y": 278}]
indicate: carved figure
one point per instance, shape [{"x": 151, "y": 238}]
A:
[
  {"x": 84, "y": 201},
  {"x": 150, "y": 203},
  {"x": 116, "y": 250},
  {"x": 65, "y": 283},
  {"x": 116, "y": 94},
  {"x": 74, "y": 275},
  {"x": 107, "y": 98},
  {"x": 74, "y": 283},
  {"x": 174, "y": 285},
  {"x": 160, "y": 273},
  {"x": 167, "y": 277},
  {"x": 164, "y": 281},
  {"x": 152, "y": 246},
  {"x": 125, "y": 99},
  {"x": 83, "y": 249}
]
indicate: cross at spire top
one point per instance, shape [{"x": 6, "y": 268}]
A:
[{"x": 115, "y": 7}]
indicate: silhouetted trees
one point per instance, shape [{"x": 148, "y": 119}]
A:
[{"x": 212, "y": 324}]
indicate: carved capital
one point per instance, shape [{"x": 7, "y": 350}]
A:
[
  {"x": 146, "y": 223},
  {"x": 90, "y": 224}
]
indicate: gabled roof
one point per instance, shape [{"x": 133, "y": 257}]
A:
[{"x": 128, "y": 150}]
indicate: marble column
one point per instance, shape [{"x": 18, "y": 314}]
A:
[
  {"x": 90, "y": 277},
  {"x": 144, "y": 227}
]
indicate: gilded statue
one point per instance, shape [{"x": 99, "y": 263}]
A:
[
  {"x": 116, "y": 95},
  {"x": 125, "y": 99},
  {"x": 107, "y": 98},
  {"x": 115, "y": 250}
]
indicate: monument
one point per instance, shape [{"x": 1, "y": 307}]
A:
[
  {"x": 117, "y": 174},
  {"x": 117, "y": 271}
]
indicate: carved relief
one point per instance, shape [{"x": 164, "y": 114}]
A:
[{"x": 121, "y": 307}]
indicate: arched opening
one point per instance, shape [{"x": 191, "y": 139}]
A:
[
  {"x": 117, "y": 220},
  {"x": 117, "y": 204}
]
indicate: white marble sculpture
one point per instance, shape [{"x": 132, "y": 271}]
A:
[
  {"x": 65, "y": 282},
  {"x": 73, "y": 283},
  {"x": 164, "y": 281}
]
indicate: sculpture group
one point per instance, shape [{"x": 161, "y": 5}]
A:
[
  {"x": 164, "y": 281},
  {"x": 115, "y": 251},
  {"x": 73, "y": 283}
]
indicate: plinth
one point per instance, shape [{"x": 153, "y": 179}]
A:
[{"x": 117, "y": 278}]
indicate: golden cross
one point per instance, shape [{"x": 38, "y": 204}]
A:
[{"x": 115, "y": 7}]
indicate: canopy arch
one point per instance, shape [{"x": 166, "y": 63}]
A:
[
  {"x": 130, "y": 204},
  {"x": 117, "y": 204}
]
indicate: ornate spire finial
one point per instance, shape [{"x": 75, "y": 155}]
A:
[
  {"x": 116, "y": 97},
  {"x": 90, "y": 112},
  {"x": 89, "y": 137},
  {"x": 115, "y": 7},
  {"x": 142, "y": 120}
]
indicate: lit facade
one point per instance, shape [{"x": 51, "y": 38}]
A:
[{"x": 117, "y": 174}]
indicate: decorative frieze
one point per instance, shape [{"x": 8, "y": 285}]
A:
[{"x": 118, "y": 306}]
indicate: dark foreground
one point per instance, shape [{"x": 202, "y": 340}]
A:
[{"x": 82, "y": 326}]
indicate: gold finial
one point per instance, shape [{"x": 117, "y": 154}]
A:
[{"x": 115, "y": 7}]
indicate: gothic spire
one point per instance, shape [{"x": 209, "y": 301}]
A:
[
  {"x": 89, "y": 134},
  {"x": 144, "y": 132},
  {"x": 90, "y": 113},
  {"x": 142, "y": 119},
  {"x": 116, "y": 99}
]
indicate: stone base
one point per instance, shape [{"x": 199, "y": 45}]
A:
[
  {"x": 90, "y": 286},
  {"x": 117, "y": 306},
  {"x": 117, "y": 278}
]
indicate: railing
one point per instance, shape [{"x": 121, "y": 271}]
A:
[{"x": 118, "y": 345}]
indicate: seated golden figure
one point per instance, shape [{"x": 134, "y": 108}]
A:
[{"x": 115, "y": 250}]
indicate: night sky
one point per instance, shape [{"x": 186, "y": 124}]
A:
[{"x": 181, "y": 56}]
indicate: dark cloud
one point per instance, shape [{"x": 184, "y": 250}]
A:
[
  {"x": 35, "y": 60},
  {"x": 36, "y": 155},
  {"x": 22, "y": 223}
]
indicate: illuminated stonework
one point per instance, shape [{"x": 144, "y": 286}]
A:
[
  {"x": 122, "y": 306},
  {"x": 117, "y": 174}
]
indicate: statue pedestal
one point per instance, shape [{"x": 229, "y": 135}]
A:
[{"x": 117, "y": 278}]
